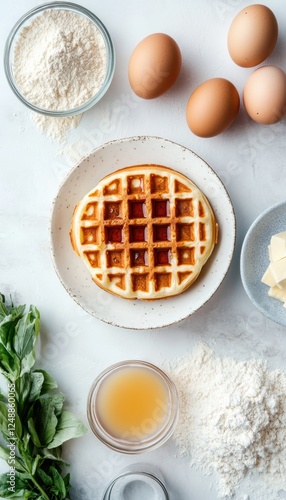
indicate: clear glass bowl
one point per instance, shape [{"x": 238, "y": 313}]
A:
[
  {"x": 138, "y": 481},
  {"x": 134, "y": 445},
  {"x": 24, "y": 21}
]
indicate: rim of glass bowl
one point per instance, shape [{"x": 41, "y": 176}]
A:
[
  {"x": 108, "y": 492},
  {"x": 136, "y": 447},
  {"x": 8, "y": 57}
]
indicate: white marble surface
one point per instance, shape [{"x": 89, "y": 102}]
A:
[{"x": 249, "y": 158}]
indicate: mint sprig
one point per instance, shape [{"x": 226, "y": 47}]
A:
[{"x": 33, "y": 421}]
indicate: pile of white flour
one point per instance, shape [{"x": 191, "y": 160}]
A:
[
  {"x": 232, "y": 420},
  {"x": 60, "y": 62}
]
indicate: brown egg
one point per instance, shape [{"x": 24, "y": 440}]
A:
[
  {"x": 154, "y": 65},
  {"x": 264, "y": 95},
  {"x": 212, "y": 107},
  {"x": 252, "y": 35}
]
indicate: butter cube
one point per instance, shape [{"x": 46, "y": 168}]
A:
[
  {"x": 267, "y": 277},
  {"x": 277, "y": 248},
  {"x": 277, "y": 293},
  {"x": 278, "y": 271}
]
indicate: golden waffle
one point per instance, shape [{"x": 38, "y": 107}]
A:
[{"x": 144, "y": 232}]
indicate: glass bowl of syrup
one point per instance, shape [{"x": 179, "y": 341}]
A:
[{"x": 133, "y": 407}]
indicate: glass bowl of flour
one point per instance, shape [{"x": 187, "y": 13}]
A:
[{"x": 59, "y": 59}]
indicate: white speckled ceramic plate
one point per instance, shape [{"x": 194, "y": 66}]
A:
[
  {"x": 137, "y": 314},
  {"x": 254, "y": 261}
]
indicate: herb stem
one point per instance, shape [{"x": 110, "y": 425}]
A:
[
  {"x": 38, "y": 419},
  {"x": 39, "y": 487},
  {"x": 33, "y": 479}
]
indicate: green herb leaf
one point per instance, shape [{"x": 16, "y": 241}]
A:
[
  {"x": 3, "y": 308},
  {"x": 45, "y": 478},
  {"x": 27, "y": 330},
  {"x": 37, "y": 462},
  {"x": 34, "y": 435},
  {"x": 20, "y": 490},
  {"x": 16, "y": 462},
  {"x": 24, "y": 339},
  {"x": 25, "y": 441},
  {"x": 58, "y": 401},
  {"x": 32, "y": 419},
  {"x": 69, "y": 427},
  {"x": 36, "y": 387},
  {"x": 10, "y": 424},
  {"x": 45, "y": 421},
  {"x": 4, "y": 419},
  {"x": 49, "y": 382},
  {"x": 8, "y": 323},
  {"x": 59, "y": 486},
  {"x": 4, "y": 453},
  {"x": 54, "y": 455},
  {"x": 43, "y": 424},
  {"x": 9, "y": 365},
  {"x": 67, "y": 482},
  {"x": 23, "y": 387}
]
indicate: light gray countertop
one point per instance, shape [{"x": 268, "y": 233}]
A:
[{"x": 250, "y": 160}]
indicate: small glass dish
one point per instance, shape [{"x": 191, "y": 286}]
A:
[
  {"x": 152, "y": 429},
  {"x": 23, "y": 22},
  {"x": 140, "y": 481}
]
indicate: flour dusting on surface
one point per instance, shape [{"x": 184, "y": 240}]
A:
[
  {"x": 233, "y": 421},
  {"x": 56, "y": 129}
]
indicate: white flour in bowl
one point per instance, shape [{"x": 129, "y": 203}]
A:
[
  {"x": 233, "y": 421},
  {"x": 60, "y": 62}
]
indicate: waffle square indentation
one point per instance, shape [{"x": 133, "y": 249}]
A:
[
  {"x": 113, "y": 234},
  {"x": 162, "y": 256},
  {"x": 114, "y": 187},
  {"x": 89, "y": 235},
  {"x": 186, "y": 232},
  {"x": 135, "y": 184},
  {"x": 162, "y": 280},
  {"x": 137, "y": 233},
  {"x": 140, "y": 282},
  {"x": 159, "y": 184},
  {"x": 137, "y": 209},
  {"x": 160, "y": 208},
  {"x": 201, "y": 209},
  {"x": 118, "y": 280},
  {"x": 91, "y": 211},
  {"x": 202, "y": 231},
  {"x": 184, "y": 207},
  {"x": 115, "y": 258},
  {"x": 138, "y": 257},
  {"x": 183, "y": 276},
  {"x": 186, "y": 256},
  {"x": 93, "y": 258},
  {"x": 112, "y": 210},
  {"x": 179, "y": 187},
  {"x": 161, "y": 232}
]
